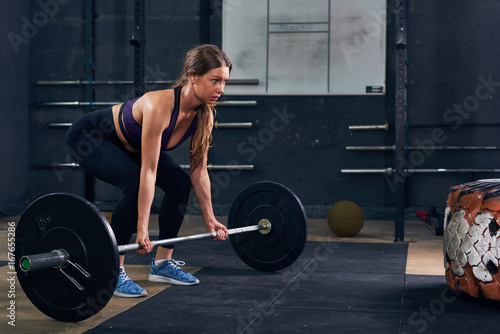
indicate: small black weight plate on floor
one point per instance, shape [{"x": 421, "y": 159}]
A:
[
  {"x": 69, "y": 222},
  {"x": 286, "y": 240}
]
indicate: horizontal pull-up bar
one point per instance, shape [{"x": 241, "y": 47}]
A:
[
  {"x": 239, "y": 82},
  {"x": 217, "y": 125},
  {"x": 81, "y": 104},
  {"x": 209, "y": 166},
  {"x": 418, "y": 170},
  {"x": 423, "y": 148}
]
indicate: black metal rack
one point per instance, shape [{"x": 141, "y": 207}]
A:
[{"x": 401, "y": 107}]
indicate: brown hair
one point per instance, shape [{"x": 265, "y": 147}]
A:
[{"x": 199, "y": 61}]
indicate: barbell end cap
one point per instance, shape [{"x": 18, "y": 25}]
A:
[
  {"x": 264, "y": 226},
  {"x": 25, "y": 263}
]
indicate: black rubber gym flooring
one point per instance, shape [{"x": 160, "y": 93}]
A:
[
  {"x": 331, "y": 288},
  {"x": 334, "y": 287}
]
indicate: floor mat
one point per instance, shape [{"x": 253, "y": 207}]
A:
[{"x": 331, "y": 288}]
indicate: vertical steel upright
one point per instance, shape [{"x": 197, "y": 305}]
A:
[
  {"x": 401, "y": 7},
  {"x": 89, "y": 75},
  {"x": 204, "y": 21},
  {"x": 139, "y": 42}
]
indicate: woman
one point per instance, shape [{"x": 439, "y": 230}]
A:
[{"x": 130, "y": 154}]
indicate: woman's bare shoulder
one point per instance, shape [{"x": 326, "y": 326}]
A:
[{"x": 158, "y": 100}]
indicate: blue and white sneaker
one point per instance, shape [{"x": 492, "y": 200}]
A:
[
  {"x": 127, "y": 288},
  {"x": 169, "y": 271}
]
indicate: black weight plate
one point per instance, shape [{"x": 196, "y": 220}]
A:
[
  {"x": 278, "y": 204},
  {"x": 72, "y": 223}
]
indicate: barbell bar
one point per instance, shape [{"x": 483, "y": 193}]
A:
[
  {"x": 54, "y": 259},
  {"x": 264, "y": 226},
  {"x": 59, "y": 258},
  {"x": 69, "y": 266},
  {"x": 241, "y": 125},
  {"x": 388, "y": 126},
  {"x": 384, "y": 127}
]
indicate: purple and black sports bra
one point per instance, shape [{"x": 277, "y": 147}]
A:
[{"x": 133, "y": 131}]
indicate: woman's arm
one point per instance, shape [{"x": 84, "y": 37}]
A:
[
  {"x": 153, "y": 123},
  {"x": 201, "y": 187}
]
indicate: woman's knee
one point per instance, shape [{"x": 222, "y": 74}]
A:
[{"x": 176, "y": 182}]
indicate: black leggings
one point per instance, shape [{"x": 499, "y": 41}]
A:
[{"x": 93, "y": 143}]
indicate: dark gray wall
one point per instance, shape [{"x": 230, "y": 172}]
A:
[
  {"x": 297, "y": 140},
  {"x": 57, "y": 53},
  {"x": 453, "y": 49},
  {"x": 14, "y": 57},
  {"x": 451, "y": 46}
]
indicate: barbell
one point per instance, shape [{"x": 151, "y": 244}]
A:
[{"x": 68, "y": 256}]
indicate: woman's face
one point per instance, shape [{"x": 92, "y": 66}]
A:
[{"x": 210, "y": 86}]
